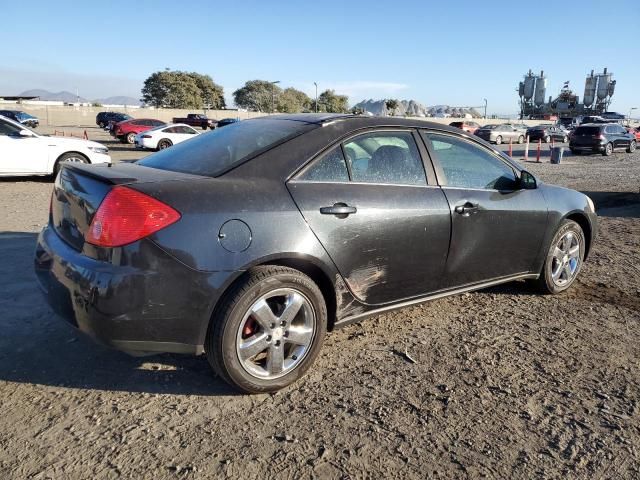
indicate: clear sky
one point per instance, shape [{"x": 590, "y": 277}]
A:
[{"x": 446, "y": 52}]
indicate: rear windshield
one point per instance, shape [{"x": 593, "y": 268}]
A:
[
  {"x": 211, "y": 154},
  {"x": 587, "y": 130}
]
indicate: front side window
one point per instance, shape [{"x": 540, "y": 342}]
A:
[
  {"x": 467, "y": 165},
  {"x": 385, "y": 157},
  {"x": 8, "y": 129}
]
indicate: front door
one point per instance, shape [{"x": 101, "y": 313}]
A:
[
  {"x": 21, "y": 155},
  {"x": 497, "y": 228},
  {"x": 384, "y": 227}
]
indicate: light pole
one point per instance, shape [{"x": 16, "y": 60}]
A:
[
  {"x": 485, "y": 108},
  {"x": 316, "y": 96},
  {"x": 273, "y": 95},
  {"x": 629, "y": 117}
]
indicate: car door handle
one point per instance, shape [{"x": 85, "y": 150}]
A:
[
  {"x": 338, "y": 209},
  {"x": 467, "y": 209}
]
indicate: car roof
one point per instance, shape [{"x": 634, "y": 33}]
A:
[{"x": 360, "y": 121}]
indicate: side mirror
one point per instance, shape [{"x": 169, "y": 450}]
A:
[
  {"x": 527, "y": 181},
  {"x": 25, "y": 133}
]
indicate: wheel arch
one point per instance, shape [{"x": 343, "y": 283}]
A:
[
  {"x": 581, "y": 219},
  {"x": 310, "y": 266},
  {"x": 56, "y": 162}
]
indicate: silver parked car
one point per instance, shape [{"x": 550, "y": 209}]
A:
[{"x": 500, "y": 133}]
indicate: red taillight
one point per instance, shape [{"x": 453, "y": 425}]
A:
[
  {"x": 146, "y": 136},
  {"x": 598, "y": 136},
  {"x": 125, "y": 216}
]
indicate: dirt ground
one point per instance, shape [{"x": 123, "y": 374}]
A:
[{"x": 505, "y": 384}]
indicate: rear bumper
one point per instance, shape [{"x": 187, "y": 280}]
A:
[
  {"x": 587, "y": 147},
  {"x": 130, "y": 308}
]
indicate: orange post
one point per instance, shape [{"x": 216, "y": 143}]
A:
[
  {"x": 511, "y": 147},
  {"x": 85, "y": 136},
  {"x": 538, "y": 154}
]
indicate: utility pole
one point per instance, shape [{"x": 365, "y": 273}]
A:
[
  {"x": 273, "y": 95},
  {"x": 485, "y": 108},
  {"x": 316, "y": 96},
  {"x": 629, "y": 117}
]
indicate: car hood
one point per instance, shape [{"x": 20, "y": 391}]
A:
[{"x": 75, "y": 142}]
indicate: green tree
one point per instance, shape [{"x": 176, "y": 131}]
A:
[
  {"x": 329, "y": 102},
  {"x": 257, "y": 95},
  {"x": 176, "y": 89},
  {"x": 212, "y": 94},
  {"x": 392, "y": 106},
  {"x": 293, "y": 101}
]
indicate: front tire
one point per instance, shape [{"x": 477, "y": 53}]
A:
[
  {"x": 608, "y": 150},
  {"x": 101, "y": 124},
  {"x": 565, "y": 139},
  {"x": 632, "y": 147},
  {"x": 72, "y": 157},
  {"x": 564, "y": 259},
  {"x": 521, "y": 139},
  {"x": 268, "y": 329},
  {"x": 498, "y": 140},
  {"x": 547, "y": 139},
  {"x": 130, "y": 138}
]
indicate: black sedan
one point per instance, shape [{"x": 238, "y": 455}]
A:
[
  {"x": 250, "y": 242},
  {"x": 547, "y": 133}
]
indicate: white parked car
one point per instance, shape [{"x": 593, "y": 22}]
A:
[
  {"x": 163, "y": 137},
  {"x": 25, "y": 152}
]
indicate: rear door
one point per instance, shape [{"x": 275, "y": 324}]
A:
[
  {"x": 384, "y": 225},
  {"x": 496, "y": 228}
]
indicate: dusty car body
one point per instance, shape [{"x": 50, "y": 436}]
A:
[{"x": 323, "y": 221}]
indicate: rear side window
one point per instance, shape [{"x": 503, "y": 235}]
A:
[
  {"x": 466, "y": 165},
  {"x": 385, "y": 157},
  {"x": 213, "y": 153},
  {"x": 330, "y": 167}
]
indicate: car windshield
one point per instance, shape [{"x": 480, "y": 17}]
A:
[{"x": 212, "y": 154}]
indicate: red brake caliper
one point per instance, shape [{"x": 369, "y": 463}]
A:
[{"x": 250, "y": 327}]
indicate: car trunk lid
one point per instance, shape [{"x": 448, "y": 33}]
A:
[{"x": 80, "y": 189}]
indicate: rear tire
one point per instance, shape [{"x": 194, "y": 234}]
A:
[
  {"x": 546, "y": 139},
  {"x": 101, "y": 124},
  {"x": 521, "y": 139},
  {"x": 564, "y": 259},
  {"x": 164, "y": 143},
  {"x": 565, "y": 139},
  {"x": 498, "y": 140},
  {"x": 130, "y": 138},
  {"x": 253, "y": 309},
  {"x": 608, "y": 149},
  {"x": 632, "y": 147}
]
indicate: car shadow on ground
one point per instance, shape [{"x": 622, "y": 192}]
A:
[
  {"x": 616, "y": 204},
  {"x": 37, "y": 347}
]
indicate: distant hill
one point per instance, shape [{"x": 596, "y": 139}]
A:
[
  {"x": 416, "y": 109},
  {"x": 118, "y": 100},
  {"x": 69, "y": 97},
  {"x": 63, "y": 96}
]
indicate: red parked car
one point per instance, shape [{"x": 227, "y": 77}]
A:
[
  {"x": 635, "y": 131},
  {"x": 467, "y": 126},
  {"x": 127, "y": 130}
]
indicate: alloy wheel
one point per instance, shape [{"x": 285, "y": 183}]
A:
[
  {"x": 276, "y": 333},
  {"x": 566, "y": 259}
]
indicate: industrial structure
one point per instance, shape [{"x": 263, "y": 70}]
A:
[{"x": 597, "y": 96}]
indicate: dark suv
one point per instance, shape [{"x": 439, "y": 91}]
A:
[
  {"x": 103, "y": 118},
  {"x": 603, "y": 138}
]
